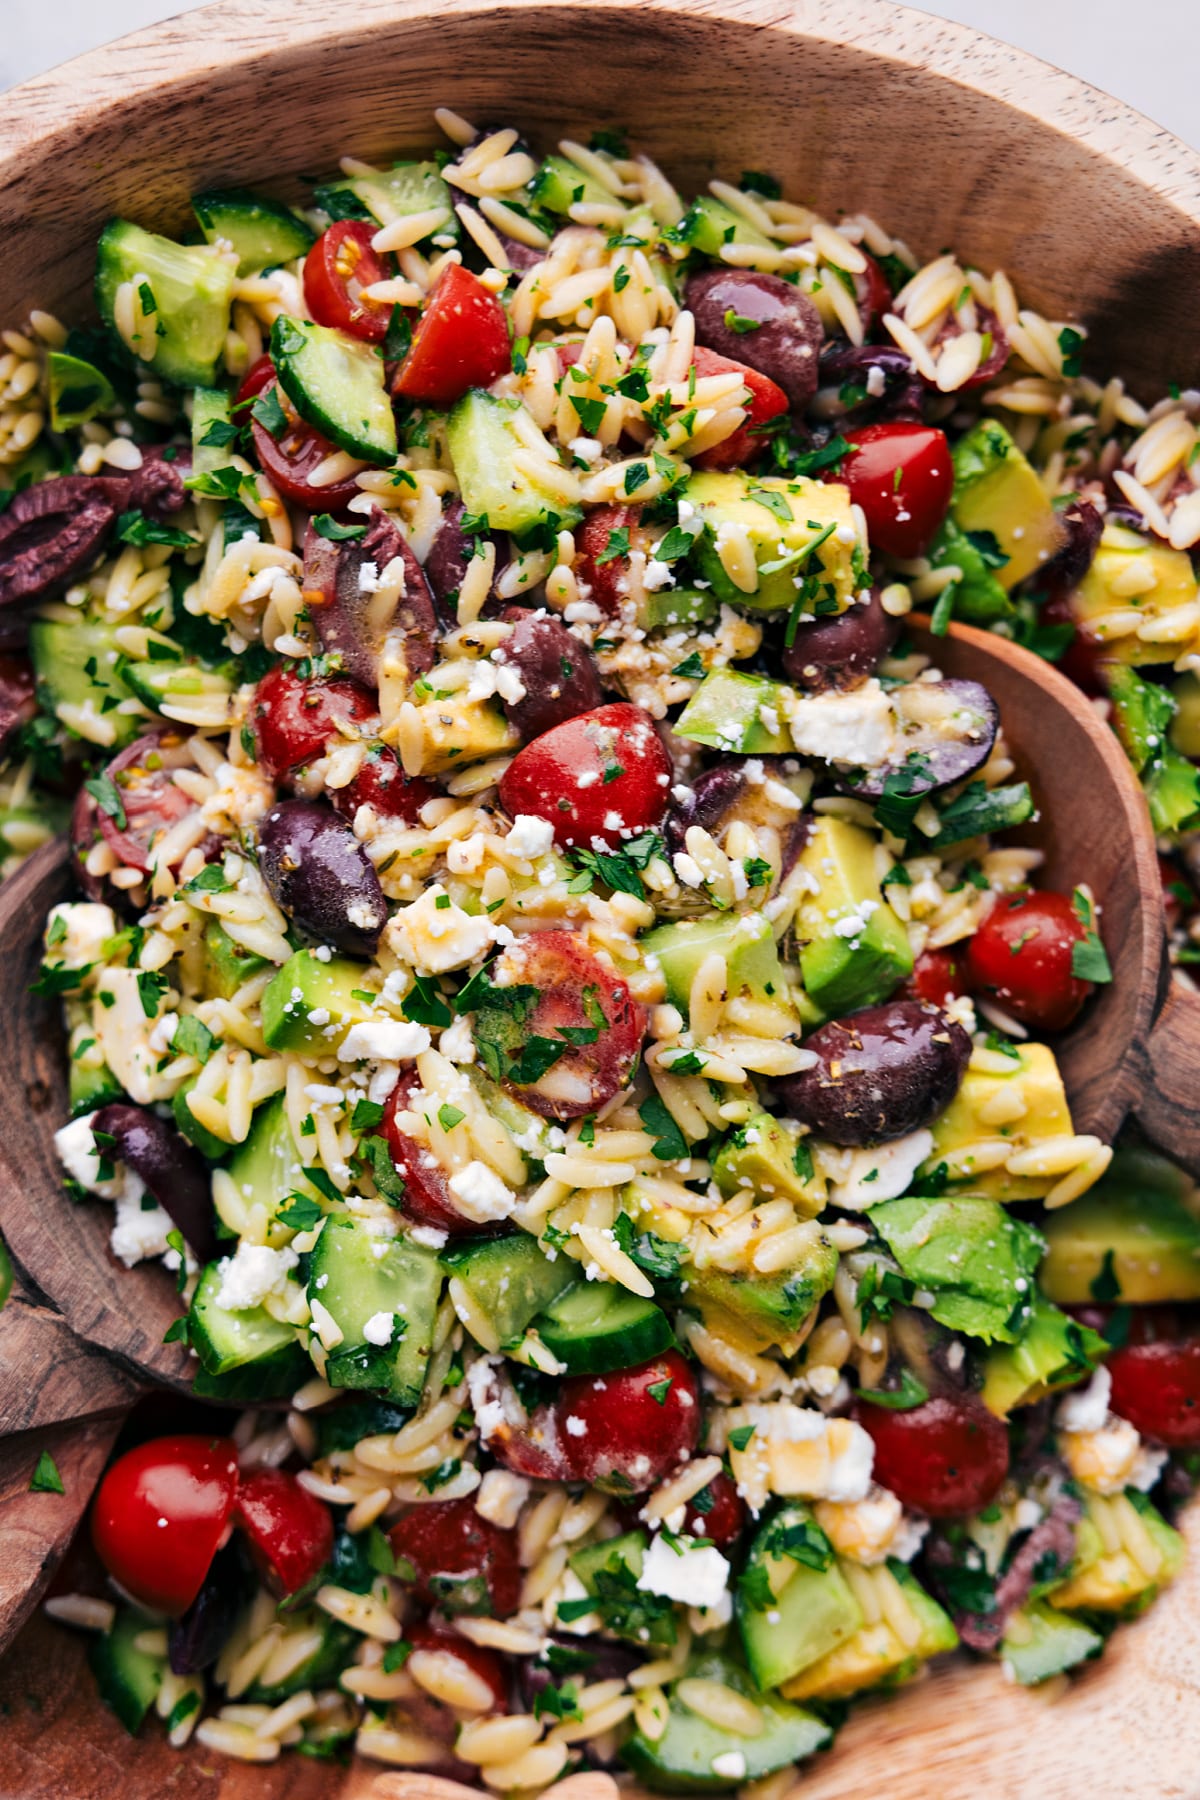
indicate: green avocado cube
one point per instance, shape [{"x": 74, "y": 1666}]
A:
[
  {"x": 1130, "y": 1238},
  {"x": 806, "y": 548},
  {"x": 309, "y": 1005},
  {"x": 226, "y": 964},
  {"x": 745, "y": 940},
  {"x": 765, "y": 1154},
  {"x": 854, "y": 950}
]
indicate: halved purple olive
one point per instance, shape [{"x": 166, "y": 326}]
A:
[
  {"x": 880, "y": 1073},
  {"x": 778, "y": 330},
  {"x": 946, "y": 732},
  {"x": 726, "y": 792},
  {"x": 450, "y": 556},
  {"x": 558, "y": 673},
  {"x": 53, "y": 530},
  {"x": 321, "y": 876},
  {"x": 173, "y": 1172},
  {"x": 350, "y": 618},
  {"x": 880, "y": 378},
  {"x": 841, "y": 652}
]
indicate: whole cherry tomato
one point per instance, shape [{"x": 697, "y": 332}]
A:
[
  {"x": 488, "y": 1665},
  {"x": 290, "y": 1530},
  {"x": 1156, "y": 1386},
  {"x": 460, "y": 342},
  {"x": 160, "y": 1516},
  {"x": 767, "y": 401},
  {"x": 295, "y": 718},
  {"x": 289, "y": 459},
  {"x": 902, "y": 477},
  {"x": 1022, "y": 953},
  {"x": 597, "y": 779},
  {"x": 461, "y": 1562},
  {"x": 600, "y": 562},
  {"x": 625, "y": 1431},
  {"x": 946, "y": 1457},
  {"x": 938, "y": 976},
  {"x": 338, "y": 267}
]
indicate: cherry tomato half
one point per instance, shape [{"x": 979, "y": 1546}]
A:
[
  {"x": 767, "y": 401},
  {"x": 946, "y": 1457},
  {"x": 1156, "y": 1386},
  {"x": 902, "y": 477},
  {"x": 725, "y": 1518},
  {"x": 289, "y": 1530},
  {"x": 382, "y": 784},
  {"x": 338, "y": 267},
  {"x": 596, "y": 779},
  {"x": 937, "y": 977},
  {"x": 160, "y": 1515},
  {"x": 290, "y": 459},
  {"x": 488, "y": 1665},
  {"x": 598, "y": 562},
  {"x": 427, "y": 1197},
  {"x": 461, "y": 342},
  {"x": 1022, "y": 953},
  {"x": 294, "y": 718},
  {"x": 462, "y": 1563},
  {"x": 625, "y": 1431}
]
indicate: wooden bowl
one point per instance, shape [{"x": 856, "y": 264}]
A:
[{"x": 949, "y": 138}]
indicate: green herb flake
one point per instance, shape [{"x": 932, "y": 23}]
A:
[{"x": 46, "y": 1478}]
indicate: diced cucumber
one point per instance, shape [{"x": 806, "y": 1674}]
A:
[
  {"x": 482, "y": 441},
  {"x": 211, "y": 406},
  {"x": 88, "y": 1088},
  {"x": 709, "y": 224},
  {"x": 78, "y": 390},
  {"x": 310, "y": 1005},
  {"x": 336, "y": 383},
  {"x": 341, "y": 1427},
  {"x": 190, "y": 291},
  {"x": 733, "y": 711},
  {"x": 810, "y": 1610},
  {"x": 163, "y": 685},
  {"x": 262, "y": 1173},
  {"x": 320, "y": 1669},
  {"x": 676, "y": 606},
  {"x": 77, "y": 667},
  {"x": 1041, "y": 1642},
  {"x": 593, "y": 1327},
  {"x": 266, "y": 1355},
  {"x": 390, "y": 194},
  {"x": 510, "y": 1280},
  {"x": 559, "y": 185},
  {"x": 262, "y": 231},
  {"x": 693, "y": 1756},
  {"x": 128, "y": 1678},
  {"x": 226, "y": 964},
  {"x": 206, "y": 1142},
  {"x": 356, "y": 1276},
  {"x": 610, "y": 1571}
]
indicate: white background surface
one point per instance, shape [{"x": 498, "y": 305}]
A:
[{"x": 1148, "y": 53}]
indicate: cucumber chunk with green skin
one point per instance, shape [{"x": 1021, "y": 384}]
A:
[
  {"x": 694, "y": 1756},
  {"x": 88, "y": 1088},
  {"x": 78, "y": 390},
  {"x": 226, "y": 964},
  {"x": 510, "y": 1280},
  {"x": 593, "y": 1327},
  {"x": 264, "y": 1355},
  {"x": 390, "y": 194},
  {"x": 676, "y": 606},
  {"x": 161, "y": 684},
  {"x": 609, "y": 1574},
  {"x": 128, "y": 1679},
  {"x": 211, "y": 407},
  {"x": 742, "y": 713},
  {"x": 320, "y": 1669},
  {"x": 336, "y": 383},
  {"x": 78, "y": 676},
  {"x": 482, "y": 439},
  {"x": 1041, "y": 1642},
  {"x": 709, "y": 224},
  {"x": 790, "y": 1614},
  {"x": 559, "y": 185},
  {"x": 190, "y": 293},
  {"x": 215, "y": 1149},
  {"x": 263, "y": 1172},
  {"x": 355, "y": 1284},
  {"x": 341, "y": 1427},
  {"x": 263, "y": 232},
  {"x": 310, "y": 1005}
]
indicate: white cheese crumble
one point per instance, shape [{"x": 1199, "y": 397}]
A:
[
  {"x": 379, "y": 1328},
  {"x": 1086, "y": 1408},
  {"x": 480, "y": 1194},
  {"x": 433, "y": 938},
  {"x": 456, "y": 1043},
  {"x": 858, "y": 728},
  {"x": 252, "y": 1273},
  {"x": 731, "y": 1764},
  {"x": 384, "y": 1040},
  {"x": 697, "y": 1577},
  {"x": 797, "y": 1452},
  {"x": 88, "y": 928},
  {"x": 530, "y": 836},
  {"x": 501, "y": 1496}
]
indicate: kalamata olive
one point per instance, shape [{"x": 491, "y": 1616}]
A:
[
  {"x": 350, "y": 618},
  {"x": 1068, "y": 566},
  {"x": 754, "y": 790},
  {"x": 18, "y": 702},
  {"x": 173, "y": 1172},
  {"x": 996, "y": 346},
  {"x": 787, "y": 334},
  {"x": 449, "y": 558},
  {"x": 946, "y": 732},
  {"x": 840, "y": 652},
  {"x": 881, "y": 1073},
  {"x": 851, "y": 373},
  {"x": 157, "y": 487},
  {"x": 321, "y": 876},
  {"x": 150, "y": 803},
  {"x": 558, "y": 673},
  {"x": 582, "y": 1660},
  {"x": 53, "y": 530},
  {"x": 197, "y": 1639},
  {"x": 710, "y": 798},
  {"x": 521, "y": 257}
]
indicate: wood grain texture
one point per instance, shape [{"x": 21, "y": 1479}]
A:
[
  {"x": 47, "y": 1374},
  {"x": 948, "y": 137}
]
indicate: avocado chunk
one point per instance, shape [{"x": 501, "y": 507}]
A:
[
  {"x": 1104, "y": 1580},
  {"x": 745, "y": 940},
  {"x": 771, "y": 1157},
  {"x": 1132, "y": 571},
  {"x": 790, "y": 1613},
  {"x": 737, "y": 712},
  {"x": 1029, "y": 1075},
  {"x": 1132, "y": 1228},
  {"x": 356, "y": 1275},
  {"x": 226, "y": 964},
  {"x": 77, "y": 665},
  {"x": 482, "y": 434},
  {"x": 998, "y": 492},
  {"x": 184, "y": 288},
  {"x": 264, "y": 1356},
  {"x": 877, "y": 1655},
  {"x": 1040, "y": 1642},
  {"x": 854, "y": 950},
  {"x": 508, "y": 1281},
  {"x": 1184, "y": 730},
  {"x": 806, "y": 549},
  {"x": 310, "y": 1005},
  {"x": 609, "y": 1574},
  {"x": 261, "y": 1176},
  {"x": 455, "y": 730},
  {"x": 695, "y": 1757},
  {"x": 977, "y": 1260},
  {"x": 1052, "y": 1352}
]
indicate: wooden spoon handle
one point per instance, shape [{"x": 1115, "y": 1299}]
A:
[{"x": 1168, "y": 1105}]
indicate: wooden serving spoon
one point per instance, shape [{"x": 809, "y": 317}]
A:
[{"x": 96, "y": 1340}]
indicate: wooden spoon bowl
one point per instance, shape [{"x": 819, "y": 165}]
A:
[{"x": 945, "y": 136}]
